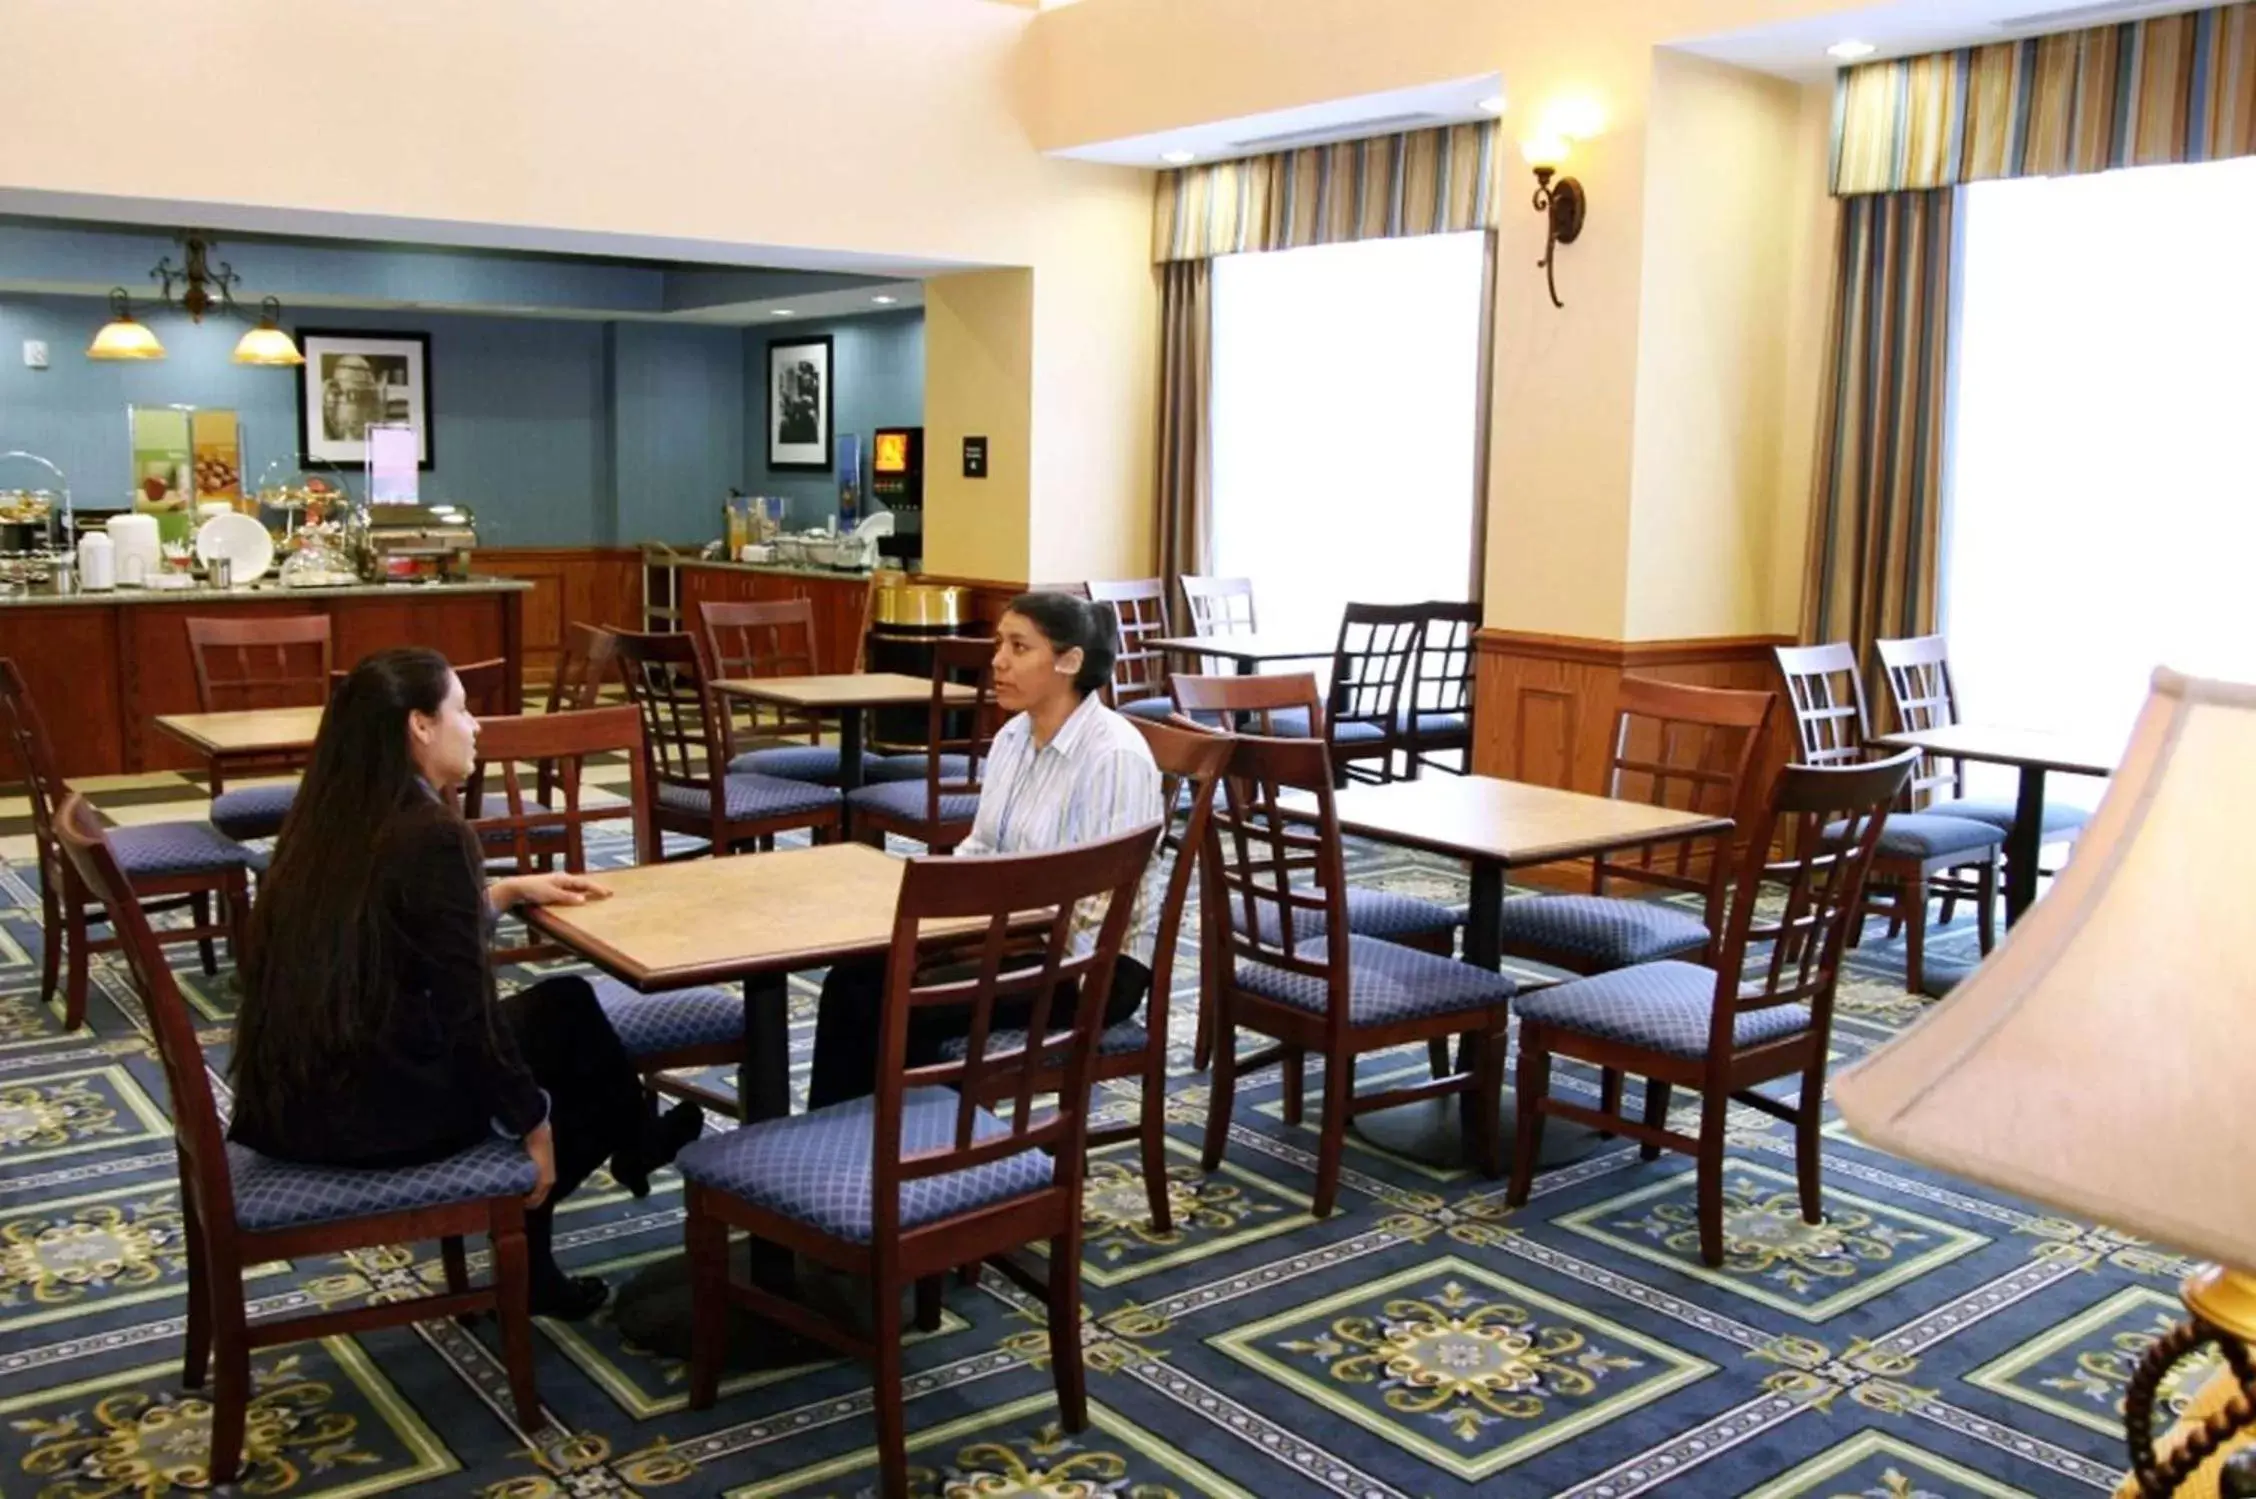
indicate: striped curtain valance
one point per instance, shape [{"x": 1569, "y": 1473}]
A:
[
  {"x": 1438, "y": 181},
  {"x": 2167, "y": 89}
]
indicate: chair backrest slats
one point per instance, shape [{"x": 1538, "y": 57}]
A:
[
  {"x": 1442, "y": 684},
  {"x": 1140, "y": 605},
  {"x": 582, "y": 667},
  {"x": 1006, "y": 894},
  {"x": 1826, "y": 692},
  {"x": 666, "y": 682},
  {"x": 1259, "y": 847},
  {"x": 1692, "y": 749},
  {"x": 260, "y": 663},
  {"x": 965, "y": 730},
  {"x": 34, "y": 758},
  {"x": 1219, "y": 606},
  {"x": 1373, "y": 664},
  {"x": 560, "y": 744},
  {"x": 1919, "y": 688},
  {"x": 763, "y": 638},
  {"x": 1799, "y": 953}
]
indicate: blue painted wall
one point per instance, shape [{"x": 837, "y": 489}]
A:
[
  {"x": 877, "y": 372},
  {"x": 557, "y": 433}
]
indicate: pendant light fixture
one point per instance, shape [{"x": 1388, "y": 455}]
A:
[
  {"x": 267, "y": 343},
  {"x": 123, "y": 336}
]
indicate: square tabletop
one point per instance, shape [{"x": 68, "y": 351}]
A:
[
  {"x": 704, "y": 921},
  {"x": 2030, "y": 749},
  {"x": 245, "y": 731},
  {"x": 1255, "y": 648},
  {"x": 864, "y": 689},
  {"x": 1511, "y": 823}
]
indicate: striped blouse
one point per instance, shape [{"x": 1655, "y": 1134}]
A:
[{"x": 1094, "y": 780}]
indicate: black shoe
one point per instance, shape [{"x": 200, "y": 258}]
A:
[
  {"x": 662, "y": 1140},
  {"x": 569, "y": 1298}
]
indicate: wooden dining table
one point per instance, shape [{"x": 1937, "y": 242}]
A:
[
  {"x": 753, "y": 919},
  {"x": 1495, "y": 826},
  {"x": 845, "y": 696},
  {"x": 257, "y": 734},
  {"x": 2034, "y": 753},
  {"x": 1248, "y": 653}
]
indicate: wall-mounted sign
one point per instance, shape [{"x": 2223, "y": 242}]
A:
[{"x": 975, "y": 458}]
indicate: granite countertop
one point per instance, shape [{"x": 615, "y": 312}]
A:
[
  {"x": 267, "y": 591},
  {"x": 780, "y": 569}
]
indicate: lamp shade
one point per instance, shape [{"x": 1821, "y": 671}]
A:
[
  {"x": 123, "y": 338},
  {"x": 267, "y": 344},
  {"x": 2099, "y": 1060}
]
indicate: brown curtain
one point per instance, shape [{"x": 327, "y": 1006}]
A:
[
  {"x": 1875, "y": 516},
  {"x": 1185, "y": 487}
]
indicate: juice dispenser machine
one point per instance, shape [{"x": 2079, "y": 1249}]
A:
[{"x": 896, "y": 481}]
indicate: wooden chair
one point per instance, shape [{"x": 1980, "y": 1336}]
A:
[
  {"x": 901, "y": 1187},
  {"x": 1139, "y": 672},
  {"x": 240, "y": 1208},
  {"x": 257, "y": 663},
  {"x": 1921, "y": 853},
  {"x": 1919, "y": 687},
  {"x": 1322, "y": 989},
  {"x": 1372, "y": 668},
  {"x": 1679, "y": 1024},
  {"x": 677, "y": 1029},
  {"x": 773, "y": 638},
  {"x": 1191, "y": 761},
  {"x": 1285, "y": 706},
  {"x": 937, "y": 808},
  {"x": 1437, "y": 712},
  {"x": 685, "y": 757},
  {"x": 588, "y": 660},
  {"x": 1219, "y": 606},
  {"x": 170, "y": 865}
]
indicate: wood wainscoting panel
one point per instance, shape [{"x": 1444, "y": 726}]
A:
[{"x": 571, "y": 585}]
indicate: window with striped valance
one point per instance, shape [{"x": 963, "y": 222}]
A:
[
  {"x": 2168, "y": 89},
  {"x": 1440, "y": 181}
]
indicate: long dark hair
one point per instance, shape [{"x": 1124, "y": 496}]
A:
[
  {"x": 1066, "y": 622},
  {"x": 317, "y": 978}
]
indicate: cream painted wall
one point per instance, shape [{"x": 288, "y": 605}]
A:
[
  {"x": 1808, "y": 310},
  {"x": 1720, "y": 191},
  {"x": 979, "y": 372}
]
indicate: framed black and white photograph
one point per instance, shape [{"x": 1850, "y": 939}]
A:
[
  {"x": 799, "y": 404},
  {"x": 352, "y": 381}
]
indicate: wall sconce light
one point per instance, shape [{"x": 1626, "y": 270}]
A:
[{"x": 1559, "y": 199}]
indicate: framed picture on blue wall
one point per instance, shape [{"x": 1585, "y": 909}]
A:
[
  {"x": 352, "y": 381},
  {"x": 799, "y": 404}
]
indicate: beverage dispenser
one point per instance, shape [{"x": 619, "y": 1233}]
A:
[{"x": 896, "y": 481}]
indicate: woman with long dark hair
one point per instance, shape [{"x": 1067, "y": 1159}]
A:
[
  {"x": 1064, "y": 771},
  {"x": 370, "y": 1034}
]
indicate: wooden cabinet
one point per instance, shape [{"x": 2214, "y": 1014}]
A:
[
  {"x": 838, "y": 603},
  {"x": 571, "y": 585}
]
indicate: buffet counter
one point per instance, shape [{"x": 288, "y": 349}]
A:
[{"x": 102, "y": 665}]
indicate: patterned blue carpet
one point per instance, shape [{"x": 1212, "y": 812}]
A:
[{"x": 1929, "y": 1339}]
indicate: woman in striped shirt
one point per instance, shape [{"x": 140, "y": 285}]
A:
[{"x": 1065, "y": 770}]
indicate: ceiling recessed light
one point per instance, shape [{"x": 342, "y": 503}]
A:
[
  {"x": 1178, "y": 158},
  {"x": 1492, "y": 105},
  {"x": 885, "y": 301},
  {"x": 1851, "y": 50},
  {"x": 779, "y": 312}
]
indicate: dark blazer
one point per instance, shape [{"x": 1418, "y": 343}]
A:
[{"x": 441, "y": 1073}]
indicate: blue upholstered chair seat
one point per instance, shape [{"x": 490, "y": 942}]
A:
[
  {"x": 272, "y": 1194},
  {"x": 818, "y": 763},
  {"x": 1923, "y": 835},
  {"x": 908, "y": 800},
  {"x": 652, "y": 1024},
  {"x": 1665, "y": 1007},
  {"x": 2058, "y": 817},
  {"x": 1603, "y": 931},
  {"x": 1432, "y": 725},
  {"x": 1353, "y": 734},
  {"x": 1113, "y": 1041},
  {"x": 253, "y": 811},
  {"x": 750, "y": 796},
  {"x": 157, "y": 849},
  {"x": 1370, "y": 913},
  {"x": 815, "y": 1168},
  {"x": 913, "y": 768},
  {"x": 1387, "y": 982},
  {"x": 1154, "y": 708}
]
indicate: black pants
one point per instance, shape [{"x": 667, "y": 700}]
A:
[
  {"x": 847, "y": 1027},
  {"x": 595, "y": 1097}
]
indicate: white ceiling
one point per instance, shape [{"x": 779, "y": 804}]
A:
[
  {"x": 1418, "y": 108},
  {"x": 1796, "y": 49}
]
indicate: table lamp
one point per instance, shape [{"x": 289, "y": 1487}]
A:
[{"x": 2099, "y": 1059}]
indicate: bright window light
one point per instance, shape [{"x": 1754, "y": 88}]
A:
[
  {"x": 1344, "y": 422},
  {"x": 2101, "y": 517}
]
